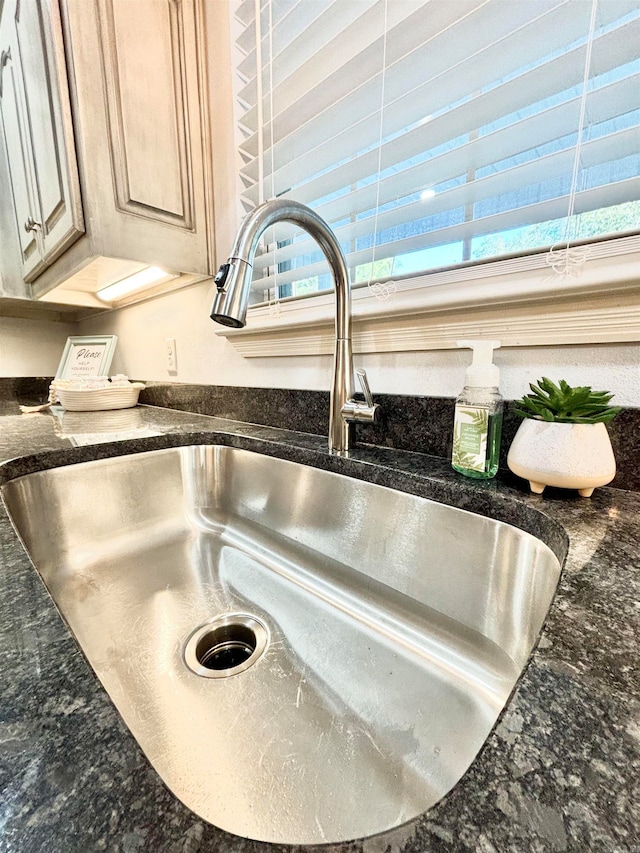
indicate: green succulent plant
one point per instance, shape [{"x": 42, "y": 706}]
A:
[{"x": 566, "y": 405}]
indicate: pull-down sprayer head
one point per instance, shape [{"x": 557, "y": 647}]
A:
[{"x": 233, "y": 282}]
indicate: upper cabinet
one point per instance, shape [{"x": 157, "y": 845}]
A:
[
  {"x": 132, "y": 75},
  {"x": 38, "y": 134},
  {"x": 153, "y": 109}
]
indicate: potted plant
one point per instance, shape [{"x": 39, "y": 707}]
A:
[{"x": 563, "y": 440}]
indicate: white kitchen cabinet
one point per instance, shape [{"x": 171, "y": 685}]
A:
[
  {"x": 38, "y": 134},
  {"x": 138, "y": 96}
]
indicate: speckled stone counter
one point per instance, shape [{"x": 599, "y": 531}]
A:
[
  {"x": 560, "y": 771},
  {"x": 407, "y": 422}
]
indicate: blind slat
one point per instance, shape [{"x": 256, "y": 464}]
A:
[
  {"x": 539, "y": 129},
  {"x": 588, "y": 200},
  {"x": 532, "y": 174},
  {"x": 321, "y": 36},
  {"x": 508, "y": 38},
  {"x": 483, "y": 110},
  {"x": 533, "y": 85}
]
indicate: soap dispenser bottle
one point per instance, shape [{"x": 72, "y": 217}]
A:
[{"x": 478, "y": 415}]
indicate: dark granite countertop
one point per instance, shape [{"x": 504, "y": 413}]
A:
[{"x": 560, "y": 771}]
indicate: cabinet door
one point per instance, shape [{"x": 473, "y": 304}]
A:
[
  {"x": 151, "y": 65},
  {"x": 15, "y": 129},
  {"x": 147, "y": 97},
  {"x": 36, "y": 118}
]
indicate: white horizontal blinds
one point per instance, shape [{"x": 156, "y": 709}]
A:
[{"x": 476, "y": 140}]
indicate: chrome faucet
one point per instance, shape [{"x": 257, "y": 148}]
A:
[{"x": 233, "y": 282}]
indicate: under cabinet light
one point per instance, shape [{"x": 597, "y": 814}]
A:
[{"x": 144, "y": 278}]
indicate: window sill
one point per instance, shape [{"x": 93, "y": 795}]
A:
[{"x": 595, "y": 302}]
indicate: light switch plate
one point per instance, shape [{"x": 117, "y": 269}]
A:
[{"x": 171, "y": 355}]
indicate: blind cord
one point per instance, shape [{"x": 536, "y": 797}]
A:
[
  {"x": 274, "y": 304},
  {"x": 381, "y": 290},
  {"x": 259, "y": 95},
  {"x": 571, "y": 259}
]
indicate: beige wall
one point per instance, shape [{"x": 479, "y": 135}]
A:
[
  {"x": 32, "y": 347},
  {"x": 206, "y": 358}
]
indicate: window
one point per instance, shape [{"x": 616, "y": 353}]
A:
[{"x": 434, "y": 136}]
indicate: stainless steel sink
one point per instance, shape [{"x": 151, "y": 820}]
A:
[{"x": 303, "y": 657}]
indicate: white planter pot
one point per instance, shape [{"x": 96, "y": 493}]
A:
[{"x": 571, "y": 456}]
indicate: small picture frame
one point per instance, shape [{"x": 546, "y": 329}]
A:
[{"x": 84, "y": 357}]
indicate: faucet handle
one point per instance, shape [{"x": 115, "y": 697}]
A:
[
  {"x": 361, "y": 373},
  {"x": 367, "y": 412}
]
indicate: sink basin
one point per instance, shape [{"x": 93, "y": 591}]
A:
[{"x": 304, "y": 658}]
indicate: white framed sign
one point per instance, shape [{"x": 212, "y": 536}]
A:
[{"x": 84, "y": 357}]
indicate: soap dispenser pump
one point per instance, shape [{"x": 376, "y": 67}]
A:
[{"x": 478, "y": 415}]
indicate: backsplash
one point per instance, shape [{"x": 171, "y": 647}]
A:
[{"x": 421, "y": 424}]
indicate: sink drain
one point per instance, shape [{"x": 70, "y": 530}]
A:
[{"x": 226, "y": 646}]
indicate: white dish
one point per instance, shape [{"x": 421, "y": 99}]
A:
[{"x": 101, "y": 399}]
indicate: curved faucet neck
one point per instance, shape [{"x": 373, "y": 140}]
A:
[
  {"x": 232, "y": 298},
  {"x": 285, "y": 210}
]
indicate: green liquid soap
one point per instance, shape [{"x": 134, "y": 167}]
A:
[
  {"x": 476, "y": 450},
  {"x": 477, "y": 424}
]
